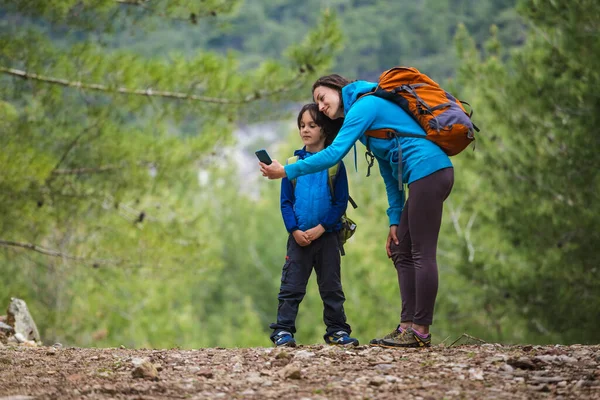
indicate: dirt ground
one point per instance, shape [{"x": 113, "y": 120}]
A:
[{"x": 307, "y": 372}]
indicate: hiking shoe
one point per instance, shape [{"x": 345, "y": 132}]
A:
[
  {"x": 408, "y": 338},
  {"x": 284, "y": 339},
  {"x": 391, "y": 335},
  {"x": 341, "y": 338}
]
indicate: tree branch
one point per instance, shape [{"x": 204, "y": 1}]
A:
[
  {"x": 149, "y": 92},
  {"x": 464, "y": 234},
  {"x": 132, "y": 2},
  {"x": 193, "y": 18},
  {"x": 85, "y": 170},
  {"x": 51, "y": 253}
]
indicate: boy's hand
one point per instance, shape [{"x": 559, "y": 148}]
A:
[
  {"x": 301, "y": 237},
  {"x": 315, "y": 233}
]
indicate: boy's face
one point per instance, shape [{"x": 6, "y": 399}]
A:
[{"x": 310, "y": 132}]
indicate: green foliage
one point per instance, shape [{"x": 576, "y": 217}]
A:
[
  {"x": 130, "y": 213},
  {"x": 539, "y": 111},
  {"x": 105, "y": 231},
  {"x": 378, "y": 34}
]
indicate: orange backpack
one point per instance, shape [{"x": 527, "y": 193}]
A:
[{"x": 442, "y": 116}]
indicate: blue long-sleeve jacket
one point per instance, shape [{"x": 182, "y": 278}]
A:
[
  {"x": 420, "y": 157},
  {"x": 310, "y": 203}
]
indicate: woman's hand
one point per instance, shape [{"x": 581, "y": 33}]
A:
[
  {"x": 392, "y": 236},
  {"x": 301, "y": 237},
  {"x": 315, "y": 233},
  {"x": 272, "y": 171}
]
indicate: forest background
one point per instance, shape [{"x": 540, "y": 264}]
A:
[{"x": 132, "y": 211}]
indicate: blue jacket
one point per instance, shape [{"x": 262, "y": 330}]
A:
[
  {"x": 420, "y": 157},
  {"x": 309, "y": 203}
]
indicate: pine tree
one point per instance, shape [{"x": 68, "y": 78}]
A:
[
  {"x": 101, "y": 148},
  {"x": 536, "y": 163}
]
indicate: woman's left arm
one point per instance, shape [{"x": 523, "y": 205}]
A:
[{"x": 394, "y": 195}]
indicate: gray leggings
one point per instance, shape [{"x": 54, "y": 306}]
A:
[{"x": 415, "y": 256}]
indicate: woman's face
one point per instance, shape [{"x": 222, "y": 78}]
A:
[{"x": 329, "y": 103}]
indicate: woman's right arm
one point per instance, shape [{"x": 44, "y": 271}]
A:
[{"x": 357, "y": 121}]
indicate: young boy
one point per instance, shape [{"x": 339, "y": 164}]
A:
[{"x": 311, "y": 213}]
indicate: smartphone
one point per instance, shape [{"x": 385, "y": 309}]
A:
[{"x": 263, "y": 156}]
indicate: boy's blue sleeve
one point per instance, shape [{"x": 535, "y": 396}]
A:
[
  {"x": 287, "y": 205},
  {"x": 358, "y": 120},
  {"x": 340, "y": 199},
  {"x": 394, "y": 195}
]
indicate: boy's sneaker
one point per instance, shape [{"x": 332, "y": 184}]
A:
[
  {"x": 341, "y": 338},
  {"x": 408, "y": 338},
  {"x": 391, "y": 335},
  {"x": 284, "y": 338}
]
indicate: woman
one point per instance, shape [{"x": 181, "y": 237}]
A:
[{"x": 414, "y": 226}]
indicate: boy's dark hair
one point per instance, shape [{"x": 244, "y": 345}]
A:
[
  {"x": 333, "y": 81},
  {"x": 330, "y": 128}
]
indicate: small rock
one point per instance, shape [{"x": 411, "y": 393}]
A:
[
  {"x": 508, "y": 368},
  {"x": 384, "y": 367},
  {"x": 304, "y": 354},
  {"x": 206, "y": 373},
  {"x": 522, "y": 363},
  {"x": 283, "y": 355},
  {"x": 6, "y": 328},
  {"x": 291, "y": 371},
  {"x": 567, "y": 359},
  {"x": 476, "y": 374},
  {"x": 20, "y": 319},
  {"x": 540, "y": 388},
  {"x": 19, "y": 337},
  {"x": 137, "y": 361},
  {"x": 384, "y": 359},
  {"x": 5, "y": 361},
  {"x": 377, "y": 381},
  {"x": 255, "y": 379},
  {"x": 238, "y": 367},
  {"x": 145, "y": 370}
]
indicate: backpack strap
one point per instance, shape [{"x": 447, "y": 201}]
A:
[
  {"x": 331, "y": 176},
  {"x": 292, "y": 160}
]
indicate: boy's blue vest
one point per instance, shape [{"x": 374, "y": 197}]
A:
[{"x": 313, "y": 199}]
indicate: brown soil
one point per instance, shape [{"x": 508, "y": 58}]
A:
[{"x": 306, "y": 372}]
